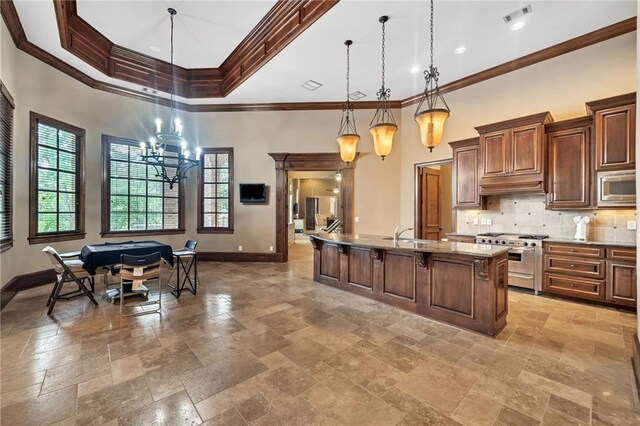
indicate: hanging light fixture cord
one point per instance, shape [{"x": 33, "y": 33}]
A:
[
  {"x": 348, "y": 122},
  {"x": 172, "y": 13}
]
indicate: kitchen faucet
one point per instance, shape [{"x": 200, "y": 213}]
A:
[{"x": 397, "y": 234}]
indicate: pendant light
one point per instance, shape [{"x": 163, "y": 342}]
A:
[
  {"x": 170, "y": 166},
  {"x": 383, "y": 126},
  {"x": 429, "y": 116},
  {"x": 347, "y": 134}
]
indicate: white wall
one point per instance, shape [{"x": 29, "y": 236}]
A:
[{"x": 40, "y": 88}]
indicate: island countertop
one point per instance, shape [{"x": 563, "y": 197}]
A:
[{"x": 413, "y": 245}]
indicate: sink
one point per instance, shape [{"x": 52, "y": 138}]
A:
[{"x": 407, "y": 240}]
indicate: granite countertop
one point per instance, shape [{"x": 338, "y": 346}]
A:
[
  {"x": 412, "y": 245},
  {"x": 591, "y": 242}
]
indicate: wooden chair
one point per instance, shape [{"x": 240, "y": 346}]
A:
[
  {"x": 185, "y": 258},
  {"x": 68, "y": 271},
  {"x": 134, "y": 272}
]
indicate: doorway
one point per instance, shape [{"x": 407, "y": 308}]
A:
[
  {"x": 314, "y": 162},
  {"x": 434, "y": 214}
]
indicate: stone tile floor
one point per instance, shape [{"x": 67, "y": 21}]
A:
[{"x": 262, "y": 344}]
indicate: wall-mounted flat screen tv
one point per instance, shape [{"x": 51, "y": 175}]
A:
[{"x": 253, "y": 193}]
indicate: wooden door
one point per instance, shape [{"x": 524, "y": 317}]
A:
[
  {"x": 494, "y": 148},
  {"x": 621, "y": 282},
  {"x": 526, "y": 150},
  {"x": 431, "y": 187},
  {"x": 569, "y": 169},
  {"x": 615, "y": 138},
  {"x": 310, "y": 210}
]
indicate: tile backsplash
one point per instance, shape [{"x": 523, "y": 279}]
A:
[{"x": 527, "y": 214}]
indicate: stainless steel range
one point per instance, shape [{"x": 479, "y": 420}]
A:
[{"x": 525, "y": 258}]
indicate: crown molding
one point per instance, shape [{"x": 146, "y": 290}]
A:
[
  {"x": 585, "y": 40},
  {"x": 10, "y": 16}
]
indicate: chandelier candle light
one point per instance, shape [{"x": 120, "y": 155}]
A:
[
  {"x": 159, "y": 155},
  {"x": 383, "y": 127},
  {"x": 429, "y": 116},
  {"x": 347, "y": 134}
]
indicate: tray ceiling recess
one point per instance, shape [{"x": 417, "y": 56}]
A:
[{"x": 282, "y": 24}]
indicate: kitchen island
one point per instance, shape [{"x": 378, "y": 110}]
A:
[{"x": 462, "y": 284}]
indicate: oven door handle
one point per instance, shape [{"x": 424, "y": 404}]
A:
[
  {"x": 521, "y": 250},
  {"x": 519, "y": 275}
]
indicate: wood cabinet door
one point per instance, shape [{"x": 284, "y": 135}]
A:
[
  {"x": 465, "y": 177},
  {"x": 621, "y": 283},
  {"x": 569, "y": 169},
  {"x": 526, "y": 150},
  {"x": 615, "y": 138},
  {"x": 494, "y": 152}
]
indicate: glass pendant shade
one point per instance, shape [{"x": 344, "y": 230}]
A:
[
  {"x": 431, "y": 124},
  {"x": 383, "y": 138},
  {"x": 348, "y": 144}
]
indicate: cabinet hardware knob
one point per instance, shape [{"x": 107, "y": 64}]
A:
[{"x": 573, "y": 266}]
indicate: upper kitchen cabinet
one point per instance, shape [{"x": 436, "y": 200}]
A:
[
  {"x": 615, "y": 132},
  {"x": 568, "y": 156},
  {"x": 512, "y": 155},
  {"x": 465, "y": 188}
]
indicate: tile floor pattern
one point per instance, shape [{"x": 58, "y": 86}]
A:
[{"x": 262, "y": 344}]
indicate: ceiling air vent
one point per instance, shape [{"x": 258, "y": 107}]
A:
[
  {"x": 517, "y": 14},
  {"x": 357, "y": 95},
  {"x": 311, "y": 85}
]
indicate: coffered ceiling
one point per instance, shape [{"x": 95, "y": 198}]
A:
[{"x": 207, "y": 32}]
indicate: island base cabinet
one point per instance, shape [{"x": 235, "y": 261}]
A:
[{"x": 460, "y": 290}]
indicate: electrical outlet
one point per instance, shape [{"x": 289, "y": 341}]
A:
[
  {"x": 357, "y": 219},
  {"x": 631, "y": 224},
  {"x": 475, "y": 221},
  {"x": 270, "y": 248},
  {"x": 489, "y": 221},
  {"x": 483, "y": 221},
  {"x": 239, "y": 248}
]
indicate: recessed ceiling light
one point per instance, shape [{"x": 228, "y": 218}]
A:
[
  {"x": 148, "y": 90},
  {"x": 354, "y": 96},
  {"x": 460, "y": 49},
  {"x": 415, "y": 69},
  {"x": 311, "y": 85},
  {"x": 518, "y": 25},
  {"x": 155, "y": 49}
]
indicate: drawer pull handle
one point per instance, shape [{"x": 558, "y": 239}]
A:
[
  {"x": 573, "y": 265},
  {"x": 573, "y": 250},
  {"x": 573, "y": 284}
]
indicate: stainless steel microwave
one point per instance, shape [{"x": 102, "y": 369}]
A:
[{"x": 617, "y": 189}]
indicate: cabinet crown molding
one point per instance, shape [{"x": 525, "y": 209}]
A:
[
  {"x": 542, "y": 117},
  {"x": 572, "y": 123},
  {"x": 614, "y": 101},
  {"x": 465, "y": 142}
]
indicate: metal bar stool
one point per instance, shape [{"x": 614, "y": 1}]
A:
[{"x": 186, "y": 259}]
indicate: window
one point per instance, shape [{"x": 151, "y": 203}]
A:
[
  {"x": 215, "y": 191},
  {"x": 6, "y": 145},
  {"x": 134, "y": 199},
  {"x": 57, "y": 181}
]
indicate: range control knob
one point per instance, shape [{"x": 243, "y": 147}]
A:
[
  {"x": 533, "y": 244},
  {"x": 525, "y": 244},
  {"x": 503, "y": 242},
  {"x": 496, "y": 242}
]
